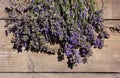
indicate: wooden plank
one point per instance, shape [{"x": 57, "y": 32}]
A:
[
  {"x": 105, "y": 60},
  {"x": 3, "y": 5},
  {"x": 58, "y": 75},
  {"x": 111, "y": 11}
]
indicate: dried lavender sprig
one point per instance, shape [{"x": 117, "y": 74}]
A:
[{"x": 75, "y": 25}]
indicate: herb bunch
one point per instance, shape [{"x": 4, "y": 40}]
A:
[{"x": 76, "y": 25}]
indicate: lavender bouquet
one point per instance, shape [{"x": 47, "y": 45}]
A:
[{"x": 75, "y": 25}]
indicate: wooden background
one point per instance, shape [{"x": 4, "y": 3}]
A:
[{"x": 104, "y": 63}]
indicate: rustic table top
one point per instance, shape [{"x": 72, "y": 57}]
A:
[{"x": 104, "y": 63}]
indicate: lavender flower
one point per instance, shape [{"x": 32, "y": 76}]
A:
[{"x": 75, "y": 26}]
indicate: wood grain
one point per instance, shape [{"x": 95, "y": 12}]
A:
[
  {"x": 105, "y": 60},
  {"x": 58, "y": 75},
  {"x": 112, "y": 10}
]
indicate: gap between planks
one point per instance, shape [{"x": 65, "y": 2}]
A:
[{"x": 59, "y": 75}]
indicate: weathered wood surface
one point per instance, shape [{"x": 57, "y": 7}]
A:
[
  {"x": 58, "y": 75},
  {"x": 105, "y": 60},
  {"x": 112, "y": 10}
]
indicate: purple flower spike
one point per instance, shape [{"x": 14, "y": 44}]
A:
[
  {"x": 77, "y": 57},
  {"x": 68, "y": 52},
  {"x": 75, "y": 26},
  {"x": 81, "y": 16},
  {"x": 71, "y": 13}
]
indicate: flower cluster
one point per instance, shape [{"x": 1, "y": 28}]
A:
[{"x": 76, "y": 25}]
